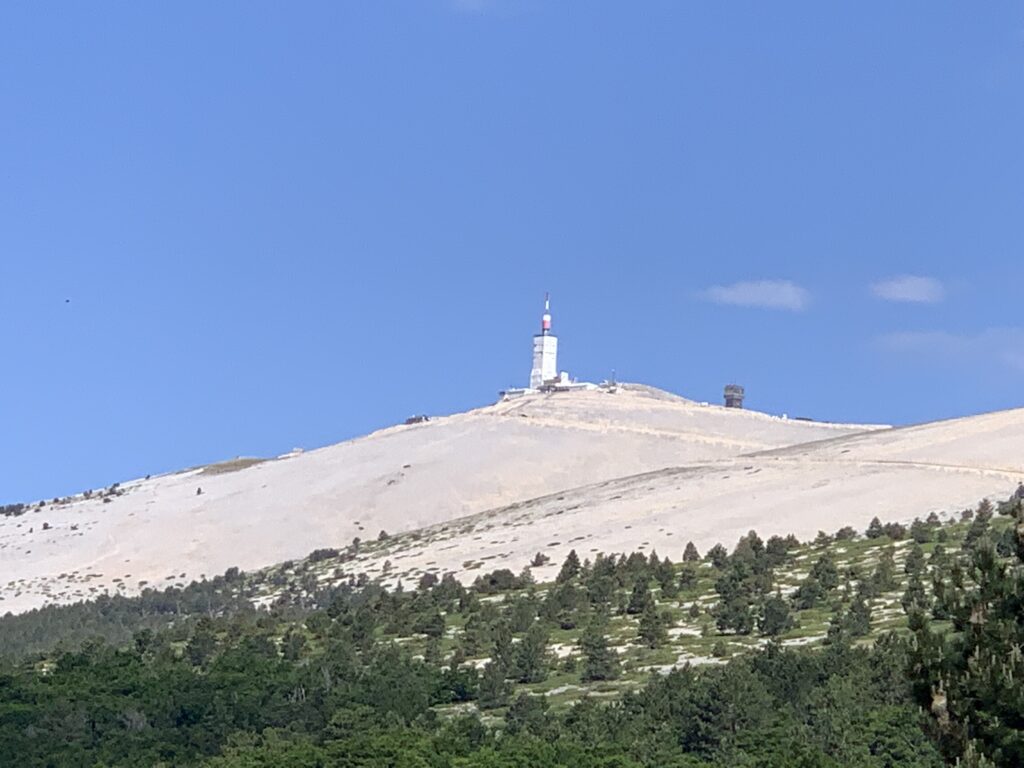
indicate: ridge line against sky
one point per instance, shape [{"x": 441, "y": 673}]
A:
[{"x": 234, "y": 229}]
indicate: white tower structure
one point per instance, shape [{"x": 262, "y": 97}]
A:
[{"x": 545, "y": 351}]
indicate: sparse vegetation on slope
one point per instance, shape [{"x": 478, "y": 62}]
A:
[{"x": 233, "y": 465}]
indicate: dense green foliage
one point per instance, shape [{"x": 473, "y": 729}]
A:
[
  {"x": 115, "y": 618},
  {"x": 356, "y": 675},
  {"x": 237, "y": 701},
  {"x": 970, "y": 678}
]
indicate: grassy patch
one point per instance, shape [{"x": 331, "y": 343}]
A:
[{"x": 234, "y": 465}]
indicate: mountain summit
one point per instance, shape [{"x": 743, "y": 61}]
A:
[{"x": 618, "y": 469}]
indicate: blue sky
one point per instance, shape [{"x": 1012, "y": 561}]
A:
[{"x": 234, "y": 228}]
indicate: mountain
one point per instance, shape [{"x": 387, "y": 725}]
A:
[{"x": 610, "y": 470}]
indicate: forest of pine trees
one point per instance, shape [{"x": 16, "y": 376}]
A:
[{"x": 358, "y": 675}]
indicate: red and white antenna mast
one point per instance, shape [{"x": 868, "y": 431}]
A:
[{"x": 545, "y": 320}]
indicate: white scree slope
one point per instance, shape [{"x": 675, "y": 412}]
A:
[{"x": 594, "y": 470}]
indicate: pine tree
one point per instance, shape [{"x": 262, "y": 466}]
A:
[
  {"x": 292, "y": 645},
  {"x": 826, "y": 573},
  {"x": 775, "y": 616},
  {"x": 749, "y": 548},
  {"x": 822, "y": 540},
  {"x": 665, "y": 573},
  {"x": 979, "y": 529},
  {"x": 915, "y": 597},
  {"x": 884, "y": 577},
  {"x": 690, "y": 554},
  {"x": 915, "y": 560},
  {"x": 527, "y": 713},
  {"x": 895, "y": 531},
  {"x": 777, "y": 549},
  {"x": 639, "y": 598},
  {"x": 859, "y": 617},
  {"x": 838, "y": 632},
  {"x": 670, "y": 589},
  {"x": 531, "y": 662},
  {"x": 846, "y": 533},
  {"x": 522, "y": 613},
  {"x": 601, "y": 589},
  {"x": 201, "y": 646},
  {"x": 717, "y": 556},
  {"x": 503, "y": 653},
  {"x": 874, "y": 530},
  {"x": 494, "y": 688},
  {"x": 563, "y": 604},
  {"x": 985, "y": 510},
  {"x": 920, "y": 531},
  {"x": 602, "y": 581},
  {"x": 599, "y": 661},
  {"x": 652, "y": 627},
  {"x": 687, "y": 576},
  {"x": 526, "y": 579},
  {"x": 735, "y": 614},
  {"x": 432, "y": 651},
  {"x": 570, "y": 568},
  {"x": 430, "y": 623}
]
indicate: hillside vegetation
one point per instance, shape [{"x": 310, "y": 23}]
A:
[{"x": 851, "y": 649}]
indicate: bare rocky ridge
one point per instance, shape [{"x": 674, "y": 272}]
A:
[{"x": 596, "y": 471}]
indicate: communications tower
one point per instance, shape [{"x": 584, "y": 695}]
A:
[{"x": 545, "y": 351}]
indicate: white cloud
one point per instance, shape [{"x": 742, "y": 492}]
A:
[
  {"x": 910, "y": 288},
  {"x": 991, "y": 346},
  {"x": 764, "y": 294}
]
